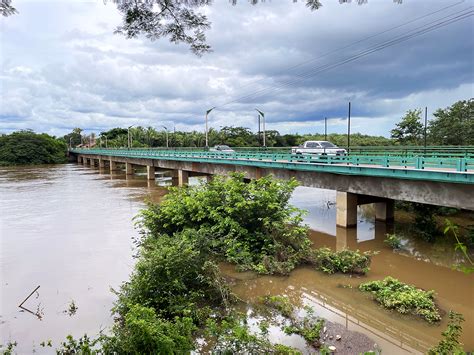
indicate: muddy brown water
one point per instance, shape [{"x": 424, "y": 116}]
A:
[{"x": 69, "y": 229}]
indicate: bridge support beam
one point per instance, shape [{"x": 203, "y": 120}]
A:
[
  {"x": 183, "y": 177},
  {"x": 92, "y": 162},
  {"x": 385, "y": 211},
  {"x": 346, "y": 206},
  {"x": 101, "y": 163},
  {"x": 150, "y": 172},
  {"x": 128, "y": 169},
  {"x": 84, "y": 160},
  {"x": 79, "y": 159}
]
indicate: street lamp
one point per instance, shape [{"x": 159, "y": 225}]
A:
[
  {"x": 70, "y": 144},
  {"x": 207, "y": 131},
  {"x": 129, "y": 136},
  {"x": 167, "y": 142},
  {"x": 263, "y": 125}
]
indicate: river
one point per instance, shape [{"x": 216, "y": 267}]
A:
[{"x": 69, "y": 229}]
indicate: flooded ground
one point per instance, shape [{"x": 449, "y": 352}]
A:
[{"x": 69, "y": 229}]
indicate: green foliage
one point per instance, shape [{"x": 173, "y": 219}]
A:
[
  {"x": 83, "y": 346},
  {"x": 172, "y": 275},
  {"x": 142, "y": 330},
  {"x": 28, "y": 148},
  {"x": 405, "y": 299},
  {"x": 310, "y": 329},
  {"x": 232, "y": 335},
  {"x": 9, "y": 348},
  {"x": 450, "y": 343},
  {"x": 345, "y": 261},
  {"x": 453, "y": 125},
  {"x": 393, "y": 241},
  {"x": 281, "y": 304},
  {"x": 454, "y": 230},
  {"x": 410, "y": 129},
  {"x": 425, "y": 224},
  {"x": 250, "y": 224}
]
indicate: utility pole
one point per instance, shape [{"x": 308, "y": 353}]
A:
[
  {"x": 259, "y": 138},
  {"x": 349, "y": 129},
  {"x": 129, "y": 136},
  {"x": 207, "y": 129},
  {"x": 426, "y": 123},
  {"x": 167, "y": 141},
  {"x": 325, "y": 128},
  {"x": 263, "y": 126}
]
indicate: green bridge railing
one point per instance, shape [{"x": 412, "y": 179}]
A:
[{"x": 445, "y": 169}]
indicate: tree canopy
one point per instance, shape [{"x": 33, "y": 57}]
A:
[{"x": 27, "y": 147}]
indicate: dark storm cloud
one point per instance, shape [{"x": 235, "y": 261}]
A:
[{"x": 77, "y": 73}]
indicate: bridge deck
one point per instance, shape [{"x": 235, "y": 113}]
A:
[{"x": 446, "y": 169}]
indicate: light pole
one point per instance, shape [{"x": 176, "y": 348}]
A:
[
  {"x": 207, "y": 130},
  {"x": 70, "y": 144},
  {"x": 167, "y": 142},
  {"x": 129, "y": 136},
  {"x": 263, "y": 126}
]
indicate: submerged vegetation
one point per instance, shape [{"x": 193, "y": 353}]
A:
[
  {"x": 393, "y": 241},
  {"x": 344, "y": 261},
  {"x": 405, "y": 299}
]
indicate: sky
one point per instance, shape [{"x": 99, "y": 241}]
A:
[{"x": 62, "y": 66}]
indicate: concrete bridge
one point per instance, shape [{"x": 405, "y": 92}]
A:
[{"x": 358, "y": 179}]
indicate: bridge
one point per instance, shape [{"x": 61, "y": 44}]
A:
[{"x": 437, "y": 179}]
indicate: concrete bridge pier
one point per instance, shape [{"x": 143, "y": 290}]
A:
[
  {"x": 92, "y": 162},
  {"x": 79, "y": 159},
  {"x": 150, "y": 172},
  {"x": 346, "y": 209},
  {"x": 385, "y": 211},
  {"x": 128, "y": 169},
  {"x": 101, "y": 163},
  {"x": 183, "y": 177},
  {"x": 84, "y": 160}
]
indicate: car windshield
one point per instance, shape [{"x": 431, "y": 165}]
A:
[
  {"x": 327, "y": 145},
  {"x": 312, "y": 145}
]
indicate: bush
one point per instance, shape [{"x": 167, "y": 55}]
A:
[
  {"x": 345, "y": 261},
  {"x": 405, "y": 299},
  {"x": 281, "y": 304},
  {"x": 250, "y": 224},
  {"x": 27, "y": 147},
  {"x": 393, "y": 241},
  {"x": 450, "y": 343}
]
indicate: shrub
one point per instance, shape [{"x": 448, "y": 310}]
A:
[
  {"x": 309, "y": 329},
  {"x": 405, "y": 299},
  {"x": 345, "y": 261},
  {"x": 281, "y": 304},
  {"x": 450, "y": 343},
  {"x": 250, "y": 224},
  {"x": 393, "y": 241}
]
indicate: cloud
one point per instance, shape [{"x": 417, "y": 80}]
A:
[{"x": 61, "y": 66}]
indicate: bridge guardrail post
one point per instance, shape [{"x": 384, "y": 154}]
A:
[
  {"x": 461, "y": 165},
  {"x": 419, "y": 162}
]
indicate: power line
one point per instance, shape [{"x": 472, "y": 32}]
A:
[
  {"x": 359, "y": 41},
  {"x": 441, "y": 22}
]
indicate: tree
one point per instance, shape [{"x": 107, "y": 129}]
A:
[
  {"x": 73, "y": 138},
  {"x": 6, "y": 8},
  {"x": 410, "y": 129},
  {"x": 453, "y": 125},
  {"x": 27, "y": 147}
]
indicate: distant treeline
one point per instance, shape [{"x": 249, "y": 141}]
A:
[
  {"x": 450, "y": 126},
  {"x": 28, "y": 148}
]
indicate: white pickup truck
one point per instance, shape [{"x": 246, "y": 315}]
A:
[{"x": 318, "y": 148}]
